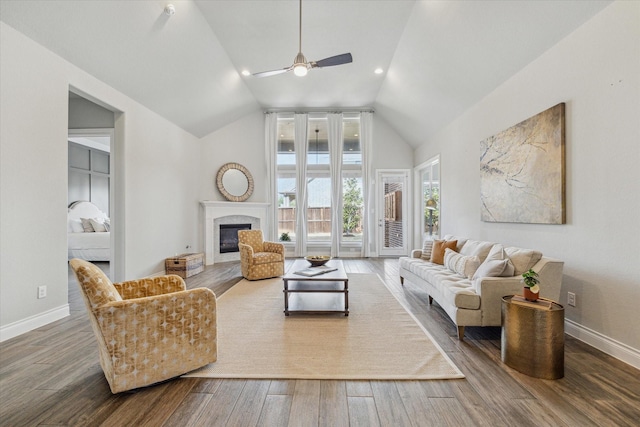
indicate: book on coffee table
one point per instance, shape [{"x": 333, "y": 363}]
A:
[{"x": 315, "y": 271}]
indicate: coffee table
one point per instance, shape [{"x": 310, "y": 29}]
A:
[{"x": 324, "y": 293}]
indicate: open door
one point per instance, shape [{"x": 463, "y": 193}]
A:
[{"x": 393, "y": 212}]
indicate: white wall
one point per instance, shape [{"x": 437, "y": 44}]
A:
[
  {"x": 157, "y": 173},
  {"x": 241, "y": 142},
  {"x": 596, "y": 72},
  {"x": 390, "y": 151}
]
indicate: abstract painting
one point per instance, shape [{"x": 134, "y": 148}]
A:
[{"x": 522, "y": 171}]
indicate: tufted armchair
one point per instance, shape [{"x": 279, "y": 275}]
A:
[
  {"x": 259, "y": 259},
  {"x": 148, "y": 330}
]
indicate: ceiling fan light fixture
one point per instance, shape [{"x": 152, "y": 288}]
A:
[
  {"x": 300, "y": 65},
  {"x": 300, "y": 70}
]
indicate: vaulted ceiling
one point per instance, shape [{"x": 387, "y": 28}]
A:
[{"x": 438, "y": 58}]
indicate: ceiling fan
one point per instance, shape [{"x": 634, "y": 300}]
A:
[{"x": 301, "y": 65}]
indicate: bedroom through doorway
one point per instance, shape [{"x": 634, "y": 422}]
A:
[{"x": 91, "y": 194}]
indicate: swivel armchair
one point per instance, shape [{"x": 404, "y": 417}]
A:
[{"x": 148, "y": 330}]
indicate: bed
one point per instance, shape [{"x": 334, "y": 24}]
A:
[{"x": 88, "y": 235}]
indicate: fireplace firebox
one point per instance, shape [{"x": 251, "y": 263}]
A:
[{"x": 229, "y": 236}]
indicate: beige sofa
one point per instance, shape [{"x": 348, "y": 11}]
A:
[{"x": 474, "y": 278}]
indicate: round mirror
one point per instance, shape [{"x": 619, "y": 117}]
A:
[{"x": 234, "y": 182}]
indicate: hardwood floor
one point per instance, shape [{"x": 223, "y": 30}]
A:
[{"x": 52, "y": 376}]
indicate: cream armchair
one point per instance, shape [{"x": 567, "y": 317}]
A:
[
  {"x": 148, "y": 330},
  {"x": 259, "y": 259}
]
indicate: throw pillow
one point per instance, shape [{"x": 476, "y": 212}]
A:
[
  {"x": 426, "y": 250},
  {"x": 465, "y": 266},
  {"x": 461, "y": 241},
  {"x": 86, "y": 225},
  {"x": 98, "y": 226},
  {"x": 439, "y": 246},
  {"x": 494, "y": 268},
  {"x": 497, "y": 264},
  {"x": 476, "y": 248},
  {"x": 523, "y": 259}
]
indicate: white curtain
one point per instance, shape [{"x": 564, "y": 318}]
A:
[
  {"x": 336, "y": 144},
  {"x": 271, "y": 152},
  {"x": 368, "y": 187},
  {"x": 300, "y": 143}
]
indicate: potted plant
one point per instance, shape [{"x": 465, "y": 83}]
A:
[
  {"x": 284, "y": 237},
  {"x": 531, "y": 288}
]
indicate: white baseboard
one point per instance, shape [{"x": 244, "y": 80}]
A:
[
  {"x": 603, "y": 343},
  {"x": 30, "y": 323}
]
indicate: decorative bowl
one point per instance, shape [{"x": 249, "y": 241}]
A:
[{"x": 317, "y": 260}]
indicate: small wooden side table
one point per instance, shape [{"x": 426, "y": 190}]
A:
[{"x": 533, "y": 337}]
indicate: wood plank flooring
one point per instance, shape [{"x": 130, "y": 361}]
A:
[{"x": 52, "y": 376}]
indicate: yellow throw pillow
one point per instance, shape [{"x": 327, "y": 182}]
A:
[{"x": 439, "y": 247}]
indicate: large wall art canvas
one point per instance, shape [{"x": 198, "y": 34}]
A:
[{"x": 522, "y": 171}]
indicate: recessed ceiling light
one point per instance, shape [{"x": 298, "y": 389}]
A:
[
  {"x": 246, "y": 73},
  {"x": 378, "y": 71},
  {"x": 355, "y": 134}
]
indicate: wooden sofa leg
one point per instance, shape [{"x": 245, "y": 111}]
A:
[
  {"x": 430, "y": 300},
  {"x": 402, "y": 280},
  {"x": 460, "y": 333}
]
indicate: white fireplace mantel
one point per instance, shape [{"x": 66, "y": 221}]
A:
[{"x": 216, "y": 209}]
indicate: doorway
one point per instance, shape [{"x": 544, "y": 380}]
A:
[
  {"x": 392, "y": 201},
  {"x": 92, "y": 124}
]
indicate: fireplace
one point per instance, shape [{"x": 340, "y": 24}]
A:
[
  {"x": 229, "y": 236},
  {"x": 230, "y": 213}
]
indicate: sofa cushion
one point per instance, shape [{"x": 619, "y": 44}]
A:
[
  {"x": 439, "y": 246},
  {"x": 497, "y": 264},
  {"x": 465, "y": 266},
  {"x": 476, "y": 248},
  {"x": 460, "y": 293},
  {"x": 522, "y": 259},
  {"x": 426, "y": 250},
  {"x": 455, "y": 290}
]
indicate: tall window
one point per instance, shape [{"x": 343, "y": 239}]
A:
[
  {"x": 286, "y": 177},
  {"x": 319, "y": 180},
  {"x": 352, "y": 197},
  {"x": 430, "y": 180}
]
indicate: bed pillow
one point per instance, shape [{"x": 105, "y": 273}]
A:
[
  {"x": 464, "y": 265},
  {"x": 426, "y": 250},
  {"x": 74, "y": 226},
  {"x": 98, "y": 225},
  {"x": 107, "y": 224},
  {"x": 86, "y": 225},
  {"x": 439, "y": 246}
]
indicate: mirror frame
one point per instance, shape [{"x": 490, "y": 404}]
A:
[{"x": 225, "y": 193}]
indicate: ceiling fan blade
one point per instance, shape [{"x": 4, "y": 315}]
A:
[
  {"x": 345, "y": 58},
  {"x": 272, "y": 72}
]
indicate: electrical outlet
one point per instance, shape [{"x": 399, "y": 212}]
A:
[
  {"x": 42, "y": 292},
  {"x": 571, "y": 299}
]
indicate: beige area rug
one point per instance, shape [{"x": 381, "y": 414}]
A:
[{"x": 378, "y": 340}]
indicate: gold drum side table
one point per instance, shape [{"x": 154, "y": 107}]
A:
[{"x": 533, "y": 337}]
